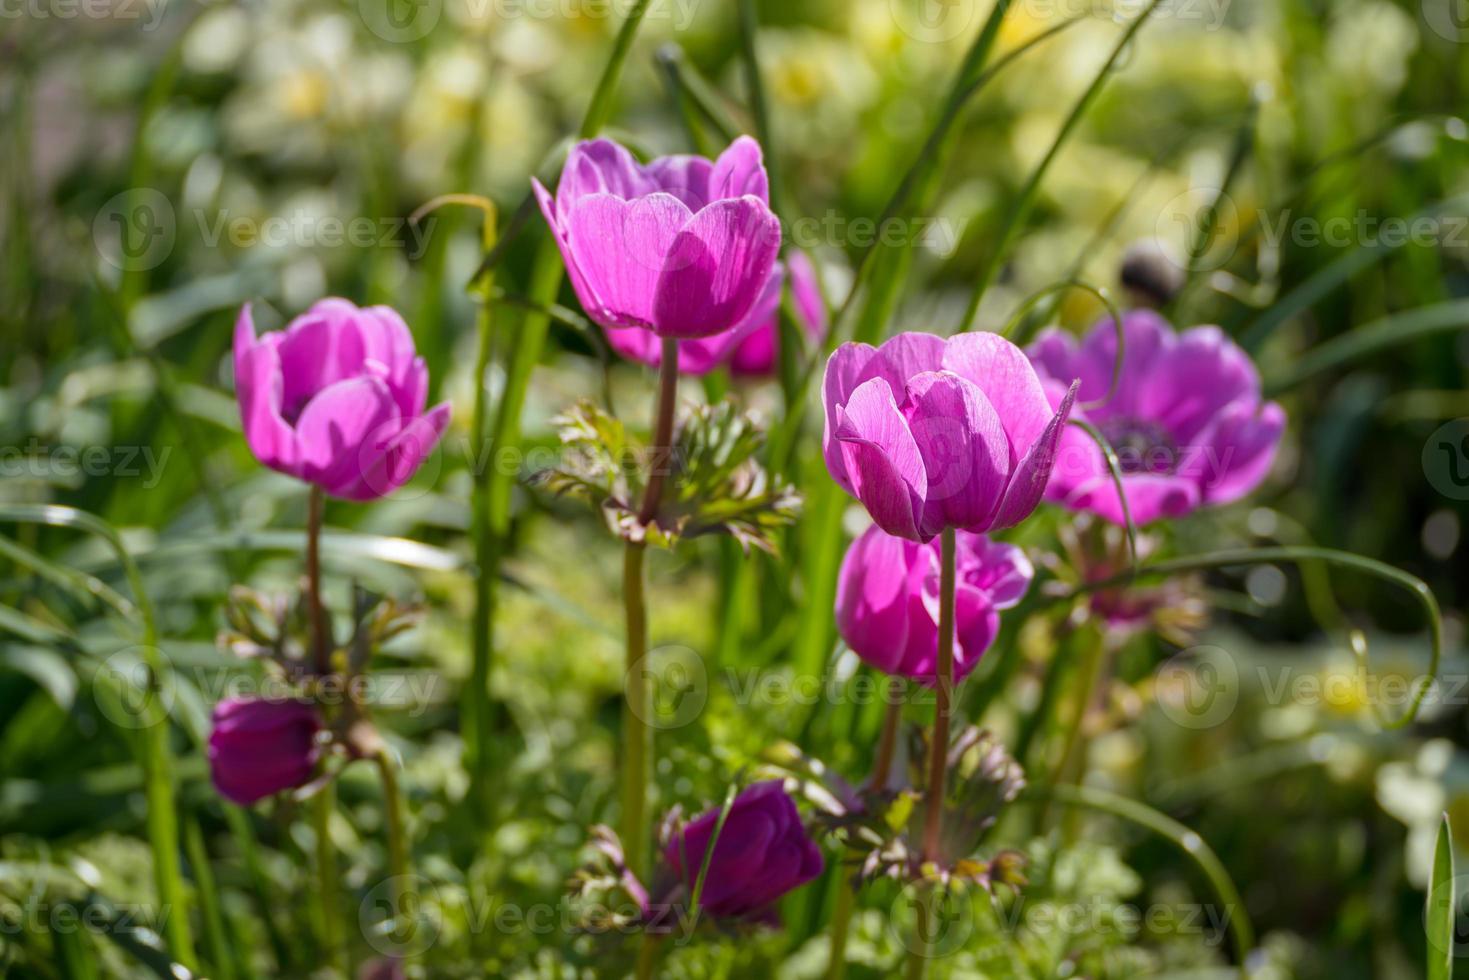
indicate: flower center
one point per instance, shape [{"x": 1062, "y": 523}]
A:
[{"x": 1142, "y": 446}]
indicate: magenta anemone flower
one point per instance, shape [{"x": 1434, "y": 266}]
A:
[
  {"x": 337, "y": 399},
  {"x": 932, "y": 434},
  {"x": 763, "y": 851},
  {"x": 259, "y": 747},
  {"x": 750, "y": 349},
  {"x": 683, "y": 246},
  {"x": 1187, "y": 420},
  {"x": 888, "y": 600}
]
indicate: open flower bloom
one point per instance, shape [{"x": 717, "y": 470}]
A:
[
  {"x": 683, "y": 246},
  {"x": 888, "y": 600},
  {"x": 337, "y": 399},
  {"x": 750, "y": 349},
  {"x": 931, "y": 433},
  {"x": 1186, "y": 420},
  {"x": 259, "y": 747},
  {"x": 763, "y": 851}
]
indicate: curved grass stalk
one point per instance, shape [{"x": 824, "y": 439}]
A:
[
  {"x": 1389, "y": 331},
  {"x": 1105, "y": 297},
  {"x": 1180, "y": 836},
  {"x": 1114, "y": 466},
  {"x": 1297, "y": 556},
  {"x": 1026, "y": 199},
  {"x": 155, "y": 756}
]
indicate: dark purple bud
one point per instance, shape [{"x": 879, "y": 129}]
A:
[
  {"x": 260, "y": 747},
  {"x": 763, "y": 851}
]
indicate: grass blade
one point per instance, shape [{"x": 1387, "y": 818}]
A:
[
  {"x": 1389, "y": 331},
  {"x": 1439, "y": 911},
  {"x": 1026, "y": 199}
]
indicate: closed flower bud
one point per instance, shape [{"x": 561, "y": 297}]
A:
[
  {"x": 259, "y": 747},
  {"x": 763, "y": 852}
]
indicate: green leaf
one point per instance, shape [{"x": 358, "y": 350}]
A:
[{"x": 1439, "y": 911}]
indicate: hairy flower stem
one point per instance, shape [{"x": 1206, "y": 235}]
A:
[
  {"x": 938, "y": 749},
  {"x": 320, "y": 642},
  {"x": 636, "y": 735}
]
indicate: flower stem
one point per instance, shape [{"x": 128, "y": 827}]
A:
[
  {"x": 938, "y": 750},
  {"x": 886, "y": 746},
  {"x": 322, "y": 805},
  {"x": 660, "y": 456},
  {"x": 635, "y": 731},
  {"x": 647, "y": 956},
  {"x": 320, "y": 642},
  {"x": 393, "y": 820}
]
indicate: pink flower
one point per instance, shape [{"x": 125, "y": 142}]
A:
[
  {"x": 258, "y": 748},
  {"x": 683, "y": 246},
  {"x": 763, "y": 851},
  {"x": 888, "y": 600},
  {"x": 930, "y": 433},
  {"x": 337, "y": 399},
  {"x": 750, "y": 349},
  {"x": 1187, "y": 419}
]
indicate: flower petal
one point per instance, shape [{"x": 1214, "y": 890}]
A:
[
  {"x": 620, "y": 248},
  {"x": 684, "y": 176},
  {"x": 740, "y": 170},
  {"x": 1241, "y": 451},
  {"x": 258, "y": 386},
  {"x": 335, "y": 426},
  {"x": 966, "y": 455},
  {"x": 386, "y": 464},
  {"x": 872, "y": 597},
  {"x": 1194, "y": 378},
  {"x": 716, "y": 268},
  {"x": 598, "y": 166},
  {"x": 845, "y": 370},
  {"x": 1149, "y": 497},
  {"x": 1008, "y": 380},
  {"x": 882, "y": 460},
  {"x": 1033, "y": 472}
]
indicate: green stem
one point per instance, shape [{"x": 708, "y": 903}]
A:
[
  {"x": 321, "y": 648},
  {"x": 647, "y": 956},
  {"x": 636, "y": 734},
  {"x": 479, "y": 702},
  {"x": 938, "y": 750},
  {"x": 326, "y": 879},
  {"x": 1085, "y": 693},
  {"x": 214, "y": 930},
  {"x": 398, "y": 865},
  {"x": 841, "y": 918},
  {"x": 918, "y": 951}
]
